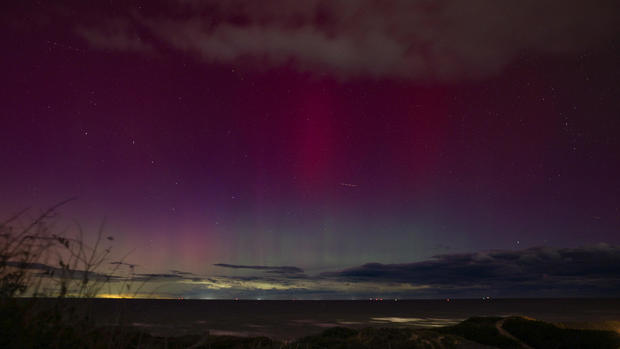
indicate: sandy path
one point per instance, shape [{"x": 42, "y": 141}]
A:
[{"x": 500, "y": 327}]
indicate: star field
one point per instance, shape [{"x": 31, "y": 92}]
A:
[{"x": 230, "y": 142}]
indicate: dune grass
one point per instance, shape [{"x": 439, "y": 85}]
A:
[
  {"x": 539, "y": 334},
  {"x": 481, "y": 330}
]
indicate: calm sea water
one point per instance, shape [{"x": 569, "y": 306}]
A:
[{"x": 292, "y": 319}]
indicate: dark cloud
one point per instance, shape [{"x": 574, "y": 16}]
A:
[
  {"x": 536, "y": 272},
  {"x": 269, "y": 269},
  {"x": 173, "y": 275},
  {"x": 448, "y": 39},
  {"x": 590, "y": 271},
  {"x": 30, "y": 266},
  {"x": 130, "y": 265},
  {"x": 50, "y": 271}
]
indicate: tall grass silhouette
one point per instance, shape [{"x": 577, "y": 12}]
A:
[{"x": 41, "y": 268}]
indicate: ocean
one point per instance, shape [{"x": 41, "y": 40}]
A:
[{"x": 288, "y": 319}]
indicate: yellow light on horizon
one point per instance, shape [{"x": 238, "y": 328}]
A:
[
  {"x": 132, "y": 296},
  {"x": 115, "y": 296}
]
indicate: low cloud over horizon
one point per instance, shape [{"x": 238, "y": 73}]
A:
[
  {"x": 269, "y": 269},
  {"x": 539, "y": 271},
  {"x": 589, "y": 271}
]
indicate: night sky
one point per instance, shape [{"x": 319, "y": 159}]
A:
[{"x": 324, "y": 149}]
